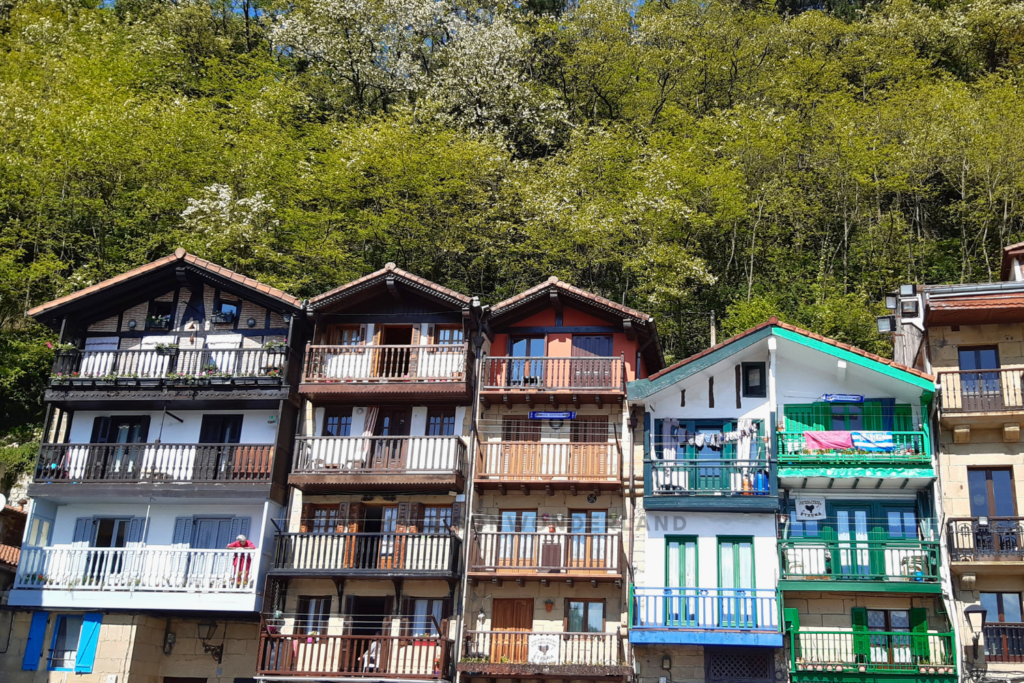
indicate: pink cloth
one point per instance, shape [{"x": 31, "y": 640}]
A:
[{"x": 825, "y": 441}]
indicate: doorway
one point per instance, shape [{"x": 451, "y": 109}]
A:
[
  {"x": 979, "y": 378},
  {"x": 511, "y": 622},
  {"x": 214, "y": 459},
  {"x": 368, "y": 619},
  {"x": 117, "y": 461},
  {"x": 377, "y": 546},
  {"x": 110, "y": 533},
  {"x": 389, "y": 453},
  {"x": 395, "y": 353},
  {"x": 592, "y": 366}
]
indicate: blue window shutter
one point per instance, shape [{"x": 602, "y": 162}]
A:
[
  {"x": 136, "y": 529},
  {"x": 34, "y": 646},
  {"x": 182, "y": 530},
  {"x": 87, "y": 642},
  {"x": 83, "y": 530},
  {"x": 239, "y": 525}
]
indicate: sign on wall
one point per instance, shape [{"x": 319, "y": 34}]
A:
[
  {"x": 810, "y": 509},
  {"x": 548, "y": 415},
  {"x": 543, "y": 649},
  {"x": 842, "y": 398}
]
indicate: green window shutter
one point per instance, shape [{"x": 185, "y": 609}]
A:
[
  {"x": 689, "y": 449},
  {"x": 822, "y": 416},
  {"x": 762, "y": 449},
  {"x": 798, "y": 416},
  {"x": 919, "y": 641},
  {"x": 873, "y": 416},
  {"x": 861, "y": 641},
  {"x": 792, "y": 618},
  {"x": 903, "y": 420},
  {"x": 728, "y": 449}
]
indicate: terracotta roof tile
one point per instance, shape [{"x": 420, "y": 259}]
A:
[
  {"x": 390, "y": 268},
  {"x": 9, "y": 555},
  {"x": 553, "y": 281},
  {"x": 178, "y": 255},
  {"x": 773, "y": 321}
]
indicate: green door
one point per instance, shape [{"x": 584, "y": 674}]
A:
[
  {"x": 681, "y": 608},
  {"x": 737, "y": 606}
]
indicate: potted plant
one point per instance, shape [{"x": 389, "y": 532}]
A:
[
  {"x": 59, "y": 378},
  {"x": 169, "y": 350},
  {"x": 271, "y": 377},
  {"x": 274, "y": 346},
  {"x": 222, "y": 318},
  {"x": 158, "y": 322},
  {"x": 549, "y": 604}
]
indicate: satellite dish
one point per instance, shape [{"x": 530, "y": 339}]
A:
[{"x": 3, "y": 500}]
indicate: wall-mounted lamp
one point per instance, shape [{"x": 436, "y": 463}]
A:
[
  {"x": 206, "y": 630},
  {"x": 666, "y": 662},
  {"x": 251, "y": 322},
  {"x": 132, "y": 324},
  {"x": 976, "y": 619}
]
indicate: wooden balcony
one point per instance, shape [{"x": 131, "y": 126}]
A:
[
  {"x": 890, "y": 565},
  {"x": 553, "y": 380},
  {"x": 981, "y": 398},
  {"x": 985, "y": 544},
  {"x": 373, "y": 657},
  {"x": 367, "y": 555},
  {"x": 184, "y": 368},
  {"x": 919, "y": 657},
  {"x": 547, "y": 557},
  {"x": 515, "y": 654},
  {"x": 548, "y": 466},
  {"x": 137, "y": 463},
  {"x": 436, "y": 371},
  {"x": 711, "y": 616},
  {"x": 343, "y": 463}
]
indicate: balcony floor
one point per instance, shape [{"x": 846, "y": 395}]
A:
[
  {"x": 576, "y": 486},
  {"x": 518, "y": 396},
  {"x": 384, "y": 391},
  {"x": 854, "y": 677},
  {"x": 829, "y": 586},
  {"x": 531, "y": 575},
  {"x": 650, "y": 636},
  {"x": 394, "y": 482},
  {"x": 137, "y": 600},
  {"x": 560, "y": 671}
]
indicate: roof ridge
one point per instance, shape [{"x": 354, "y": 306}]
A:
[
  {"x": 390, "y": 267},
  {"x": 554, "y": 281}
]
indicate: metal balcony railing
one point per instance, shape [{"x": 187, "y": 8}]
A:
[
  {"x": 554, "y": 374},
  {"x": 138, "y": 569},
  {"x": 735, "y": 609},
  {"x": 982, "y": 391},
  {"x": 144, "y": 367},
  {"x": 986, "y": 539},
  {"x": 313, "y": 655},
  {"x": 545, "y": 553},
  {"x": 355, "y": 553},
  {"x": 392, "y": 363},
  {"x": 908, "y": 448},
  {"x": 881, "y": 652},
  {"x": 1004, "y": 643},
  {"x": 379, "y": 455},
  {"x": 154, "y": 462},
  {"x": 556, "y": 649},
  {"x": 889, "y": 561},
  {"x": 707, "y": 477},
  {"x": 546, "y": 461}
]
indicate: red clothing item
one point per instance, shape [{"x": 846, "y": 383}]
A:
[
  {"x": 242, "y": 572},
  {"x": 247, "y": 544}
]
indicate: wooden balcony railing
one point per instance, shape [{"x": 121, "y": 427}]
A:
[
  {"x": 873, "y": 652},
  {"x": 889, "y": 561},
  {"x": 539, "y": 461},
  {"x": 150, "y": 367},
  {"x": 380, "y": 657},
  {"x": 138, "y": 569},
  {"x": 554, "y": 374},
  {"x": 735, "y": 609},
  {"x": 695, "y": 478},
  {"x": 154, "y": 462},
  {"x": 986, "y": 539},
  {"x": 377, "y": 363},
  {"x": 367, "y": 553},
  {"x": 982, "y": 391},
  {"x": 379, "y": 454},
  {"x": 908, "y": 448},
  {"x": 545, "y": 553},
  {"x": 543, "y": 648},
  {"x": 1004, "y": 643}
]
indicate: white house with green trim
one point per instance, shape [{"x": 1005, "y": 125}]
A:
[{"x": 789, "y": 519}]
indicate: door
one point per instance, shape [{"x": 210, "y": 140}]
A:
[
  {"x": 117, "y": 461},
  {"x": 589, "y": 439},
  {"x": 395, "y": 353},
  {"x": 368, "y": 621},
  {"x": 591, "y": 365},
  {"x": 854, "y": 559},
  {"x": 389, "y": 450},
  {"x": 519, "y": 538},
  {"x": 214, "y": 458},
  {"x": 511, "y": 622},
  {"x": 893, "y": 648},
  {"x": 520, "y": 449},
  {"x": 1002, "y": 627},
  {"x": 589, "y": 544},
  {"x": 736, "y": 577},
  {"x": 709, "y": 473},
  {"x": 522, "y": 371},
  {"x": 979, "y": 378},
  {"x": 110, "y": 533},
  {"x": 992, "y": 497},
  {"x": 681, "y": 606}
]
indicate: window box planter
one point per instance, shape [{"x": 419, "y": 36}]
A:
[
  {"x": 202, "y": 381},
  {"x": 80, "y": 381},
  {"x": 246, "y": 381},
  {"x": 268, "y": 381},
  {"x": 169, "y": 351},
  {"x": 150, "y": 382},
  {"x": 126, "y": 381},
  {"x": 104, "y": 382},
  {"x": 220, "y": 380},
  {"x": 158, "y": 323},
  {"x": 222, "y": 318}
]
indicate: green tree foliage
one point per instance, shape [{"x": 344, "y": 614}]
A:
[{"x": 736, "y": 156}]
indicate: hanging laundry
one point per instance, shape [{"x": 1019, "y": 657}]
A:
[
  {"x": 872, "y": 441},
  {"x": 826, "y": 441}
]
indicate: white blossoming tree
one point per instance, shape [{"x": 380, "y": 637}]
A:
[{"x": 227, "y": 229}]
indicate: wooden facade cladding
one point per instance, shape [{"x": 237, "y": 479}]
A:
[
  {"x": 563, "y": 557},
  {"x": 548, "y": 466}
]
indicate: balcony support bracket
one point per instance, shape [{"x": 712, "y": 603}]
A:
[
  {"x": 525, "y": 489},
  {"x": 339, "y": 586},
  {"x": 572, "y": 489},
  {"x": 569, "y": 583},
  {"x": 547, "y": 489},
  {"x": 545, "y": 583},
  {"x": 501, "y": 489},
  {"x": 497, "y": 582}
]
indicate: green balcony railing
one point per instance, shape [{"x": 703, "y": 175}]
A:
[
  {"x": 710, "y": 477},
  {"x": 872, "y": 652},
  {"x": 908, "y": 448},
  {"x": 891, "y": 561}
]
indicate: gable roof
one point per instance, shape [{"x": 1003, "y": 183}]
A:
[
  {"x": 1010, "y": 252},
  {"x": 379, "y": 277},
  {"x": 142, "y": 280},
  {"x": 680, "y": 370}
]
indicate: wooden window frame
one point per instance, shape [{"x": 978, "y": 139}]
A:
[
  {"x": 586, "y": 610},
  {"x": 408, "y": 614},
  {"x": 445, "y": 512},
  {"x": 340, "y": 413},
  {"x": 455, "y": 345},
  {"x": 323, "y": 616},
  {"x": 590, "y": 430},
  {"x": 442, "y": 413},
  {"x": 999, "y": 605},
  {"x": 746, "y": 367},
  {"x": 518, "y": 426},
  {"x": 990, "y": 487}
]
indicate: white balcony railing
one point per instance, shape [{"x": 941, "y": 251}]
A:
[{"x": 185, "y": 570}]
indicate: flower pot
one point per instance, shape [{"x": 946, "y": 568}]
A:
[
  {"x": 548, "y": 606},
  {"x": 149, "y": 382}
]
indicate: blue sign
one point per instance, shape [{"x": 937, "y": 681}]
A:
[
  {"x": 842, "y": 398},
  {"x": 541, "y": 415}
]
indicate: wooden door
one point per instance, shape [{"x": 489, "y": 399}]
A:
[
  {"x": 590, "y": 365},
  {"x": 393, "y": 425},
  {"x": 512, "y": 623},
  {"x": 589, "y": 438},
  {"x": 520, "y": 448}
]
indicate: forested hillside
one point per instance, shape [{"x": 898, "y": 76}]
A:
[{"x": 682, "y": 157}]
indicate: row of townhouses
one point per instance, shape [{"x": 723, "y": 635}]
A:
[{"x": 393, "y": 482}]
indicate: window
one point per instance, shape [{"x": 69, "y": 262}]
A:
[
  {"x": 681, "y": 573},
  {"x": 313, "y": 615},
  {"x": 513, "y": 524},
  {"x": 337, "y": 422},
  {"x": 347, "y": 335},
  {"x": 991, "y": 492},
  {"x": 519, "y": 429},
  {"x": 441, "y": 422},
  {"x": 798, "y": 529},
  {"x": 584, "y": 616},
  {"x": 437, "y": 519},
  {"x": 890, "y": 648},
  {"x": 228, "y": 310},
  {"x": 423, "y": 617},
  {"x": 847, "y": 417},
  {"x": 448, "y": 334},
  {"x": 531, "y": 347},
  {"x": 66, "y": 633},
  {"x": 160, "y": 313},
  {"x": 320, "y": 519},
  {"x": 979, "y": 358},
  {"x": 39, "y": 531},
  {"x": 589, "y": 545},
  {"x": 1001, "y": 608},
  {"x": 755, "y": 382}
]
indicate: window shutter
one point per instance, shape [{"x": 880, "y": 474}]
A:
[
  {"x": 402, "y": 523},
  {"x": 362, "y": 334},
  {"x": 822, "y": 416},
  {"x": 797, "y": 417},
  {"x": 87, "y": 642},
  {"x": 873, "y": 416},
  {"x": 100, "y": 430},
  {"x": 239, "y": 525},
  {"x": 792, "y": 618},
  {"x": 182, "y": 531},
  {"x": 728, "y": 449},
  {"x": 456, "y": 515},
  {"x": 861, "y": 641},
  {"x": 903, "y": 418},
  {"x": 415, "y": 518},
  {"x": 306, "y": 523},
  {"x": 919, "y": 625},
  {"x": 83, "y": 530},
  {"x": 34, "y": 646},
  {"x": 431, "y": 336},
  {"x": 355, "y": 517},
  {"x": 136, "y": 528},
  {"x": 342, "y": 525}
]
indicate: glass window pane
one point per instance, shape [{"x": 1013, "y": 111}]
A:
[
  {"x": 536, "y": 347},
  {"x": 839, "y": 418},
  {"x": 728, "y": 566},
  {"x": 988, "y": 359},
  {"x": 674, "y": 548},
  {"x": 977, "y": 486},
  {"x": 595, "y": 617},
  {"x": 1011, "y": 608},
  {"x": 876, "y": 620},
  {"x": 856, "y": 419},
  {"x": 579, "y": 523},
  {"x": 575, "y": 616},
  {"x": 899, "y": 620},
  {"x": 597, "y": 522},
  {"x": 529, "y": 522},
  {"x": 1002, "y": 488},
  {"x": 909, "y": 525},
  {"x": 990, "y": 601},
  {"x": 690, "y": 565},
  {"x": 508, "y": 521},
  {"x": 895, "y": 524}
]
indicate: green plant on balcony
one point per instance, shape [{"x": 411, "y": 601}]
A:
[{"x": 478, "y": 659}]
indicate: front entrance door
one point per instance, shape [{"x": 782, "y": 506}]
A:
[
  {"x": 392, "y": 425},
  {"x": 512, "y": 623}
]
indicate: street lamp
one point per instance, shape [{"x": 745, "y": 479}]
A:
[
  {"x": 205, "y": 630},
  {"x": 976, "y": 619}
]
